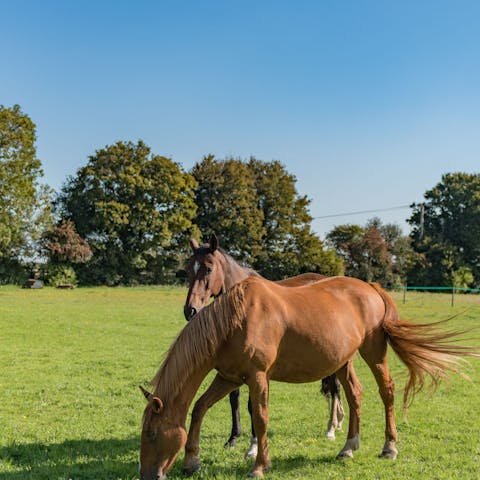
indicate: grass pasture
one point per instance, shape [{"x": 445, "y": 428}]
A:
[{"x": 70, "y": 363}]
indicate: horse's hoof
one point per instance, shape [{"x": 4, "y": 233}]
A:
[
  {"x": 389, "y": 451},
  {"x": 192, "y": 468},
  {"x": 345, "y": 454},
  {"x": 231, "y": 443},
  {"x": 257, "y": 472},
  {"x": 350, "y": 446},
  {"x": 330, "y": 435},
  {"x": 389, "y": 454}
]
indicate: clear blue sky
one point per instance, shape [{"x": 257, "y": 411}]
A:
[{"x": 367, "y": 103}]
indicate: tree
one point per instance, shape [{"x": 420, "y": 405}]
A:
[
  {"x": 64, "y": 248},
  {"x": 446, "y": 230},
  {"x": 62, "y": 244},
  {"x": 289, "y": 246},
  {"x": 399, "y": 246},
  {"x": 24, "y": 201},
  {"x": 228, "y": 206},
  {"x": 255, "y": 208},
  {"x": 135, "y": 209},
  {"x": 375, "y": 252}
]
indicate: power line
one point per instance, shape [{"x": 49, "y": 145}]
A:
[{"x": 401, "y": 207}]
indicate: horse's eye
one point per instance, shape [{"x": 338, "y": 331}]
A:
[{"x": 209, "y": 270}]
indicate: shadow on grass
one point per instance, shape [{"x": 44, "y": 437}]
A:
[
  {"x": 112, "y": 460},
  {"x": 281, "y": 467},
  {"x": 72, "y": 459}
]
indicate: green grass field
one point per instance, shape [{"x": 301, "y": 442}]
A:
[{"x": 70, "y": 408}]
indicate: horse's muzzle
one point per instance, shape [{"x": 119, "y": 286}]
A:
[
  {"x": 189, "y": 312},
  {"x": 152, "y": 475}
]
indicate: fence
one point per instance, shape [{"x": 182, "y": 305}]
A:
[{"x": 453, "y": 290}]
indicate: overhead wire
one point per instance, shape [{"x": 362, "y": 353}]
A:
[{"x": 359, "y": 212}]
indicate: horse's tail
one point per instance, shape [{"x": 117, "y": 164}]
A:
[{"x": 425, "y": 349}]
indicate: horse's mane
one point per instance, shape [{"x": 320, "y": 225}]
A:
[
  {"x": 248, "y": 269},
  {"x": 199, "y": 341},
  {"x": 205, "y": 248}
]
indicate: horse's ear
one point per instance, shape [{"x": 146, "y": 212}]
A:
[
  {"x": 194, "y": 244},
  {"x": 157, "y": 405},
  {"x": 146, "y": 393},
  {"x": 213, "y": 242}
]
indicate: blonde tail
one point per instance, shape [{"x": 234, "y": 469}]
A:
[{"x": 425, "y": 349}]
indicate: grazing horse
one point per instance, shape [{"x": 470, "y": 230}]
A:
[
  {"x": 211, "y": 271},
  {"x": 260, "y": 331}
]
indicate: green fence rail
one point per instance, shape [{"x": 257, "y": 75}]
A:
[
  {"x": 451, "y": 289},
  {"x": 456, "y": 289}
]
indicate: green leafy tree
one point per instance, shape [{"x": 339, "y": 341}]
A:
[
  {"x": 289, "y": 246},
  {"x": 446, "y": 230},
  {"x": 24, "y": 201},
  {"x": 255, "y": 208},
  {"x": 135, "y": 210},
  {"x": 462, "y": 277},
  {"x": 227, "y": 205}
]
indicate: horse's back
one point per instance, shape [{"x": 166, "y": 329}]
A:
[{"x": 302, "y": 279}]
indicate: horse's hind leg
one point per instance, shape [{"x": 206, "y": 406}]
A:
[
  {"x": 353, "y": 393},
  {"x": 340, "y": 410},
  {"x": 236, "y": 427},
  {"x": 331, "y": 390},
  {"x": 374, "y": 352},
  {"x": 217, "y": 390}
]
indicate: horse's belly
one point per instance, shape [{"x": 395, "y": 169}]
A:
[
  {"x": 282, "y": 375},
  {"x": 307, "y": 372},
  {"x": 301, "y": 359}
]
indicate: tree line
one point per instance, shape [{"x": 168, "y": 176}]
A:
[{"x": 126, "y": 215}]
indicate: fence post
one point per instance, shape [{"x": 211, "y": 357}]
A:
[
  {"x": 453, "y": 294},
  {"x": 404, "y": 292}
]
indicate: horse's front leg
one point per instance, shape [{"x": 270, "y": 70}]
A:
[
  {"x": 216, "y": 391},
  {"x": 253, "y": 448},
  {"x": 259, "y": 398},
  {"x": 236, "y": 427}
]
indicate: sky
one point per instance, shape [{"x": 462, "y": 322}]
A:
[{"x": 368, "y": 103}]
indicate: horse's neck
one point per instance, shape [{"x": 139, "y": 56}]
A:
[
  {"x": 179, "y": 402},
  {"x": 235, "y": 273}
]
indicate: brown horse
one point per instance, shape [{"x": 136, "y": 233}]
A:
[
  {"x": 211, "y": 271},
  {"x": 260, "y": 331}
]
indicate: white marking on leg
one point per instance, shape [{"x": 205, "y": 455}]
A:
[
  {"x": 330, "y": 434},
  {"x": 252, "y": 449},
  {"x": 332, "y": 422},
  {"x": 340, "y": 414}
]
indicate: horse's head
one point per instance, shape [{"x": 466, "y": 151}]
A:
[
  {"x": 205, "y": 276},
  {"x": 161, "y": 441}
]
